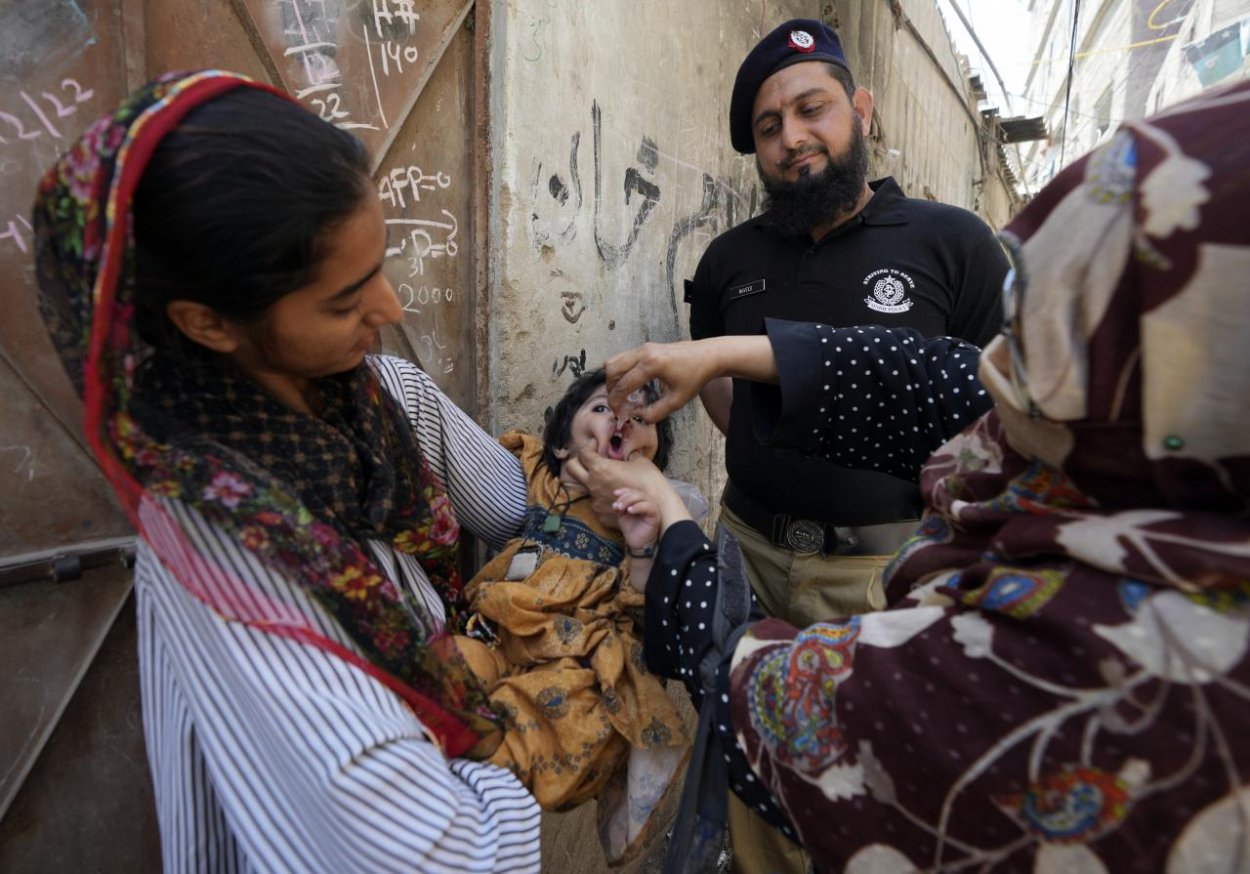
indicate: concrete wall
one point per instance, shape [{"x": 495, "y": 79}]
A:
[
  {"x": 927, "y": 132},
  {"x": 612, "y": 170},
  {"x": 1103, "y": 67}
]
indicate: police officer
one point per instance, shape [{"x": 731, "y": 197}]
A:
[{"x": 829, "y": 247}]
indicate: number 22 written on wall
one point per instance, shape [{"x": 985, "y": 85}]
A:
[{"x": 46, "y": 114}]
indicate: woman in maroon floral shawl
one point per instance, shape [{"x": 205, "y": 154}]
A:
[{"x": 1062, "y": 681}]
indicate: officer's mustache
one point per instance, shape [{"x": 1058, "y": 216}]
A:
[{"x": 794, "y": 157}]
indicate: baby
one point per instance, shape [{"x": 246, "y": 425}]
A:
[{"x": 557, "y": 630}]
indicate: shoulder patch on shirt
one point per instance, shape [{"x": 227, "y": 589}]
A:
[
  {"x": 688, "y": 286},
  {"x": 743, "y": 290}
]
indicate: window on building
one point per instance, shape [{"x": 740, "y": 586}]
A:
[
  {"x": 1052, "y": 153},
  {"x": 1102, "y": 112}
]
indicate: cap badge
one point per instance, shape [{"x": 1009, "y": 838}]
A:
[{"x": 802, "y": 41}]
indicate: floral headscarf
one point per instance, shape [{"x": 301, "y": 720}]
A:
[
  {"x": 1060, "y": 680},
  {"x": 300, "y": 493},
  {"x": 1119, "y": 436}
]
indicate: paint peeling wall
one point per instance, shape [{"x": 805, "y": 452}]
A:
[
  {"x": 919, "y": 139},
  {"x": 612, "y": 171}
]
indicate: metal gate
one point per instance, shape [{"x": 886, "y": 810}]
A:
[{"x": 405, "y": 78}]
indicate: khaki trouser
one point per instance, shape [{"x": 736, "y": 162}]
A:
[{"x": 801, "y": 589}]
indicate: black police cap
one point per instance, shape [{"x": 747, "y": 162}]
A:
[{"x": 794, "y": 42}]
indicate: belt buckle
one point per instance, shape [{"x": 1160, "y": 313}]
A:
[{"x": 805, "y": 536}]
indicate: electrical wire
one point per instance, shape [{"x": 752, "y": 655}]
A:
[
  {"x": 1067, "y": 97},
  {"x": 1136, "y": 67},
  {"x": 967, "y": 23}
]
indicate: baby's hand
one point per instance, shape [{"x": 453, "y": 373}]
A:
[
  {"x": 639, "y": 520},
  {"x": 606, "y": 478},
  {"x": 638, "y": 516}
]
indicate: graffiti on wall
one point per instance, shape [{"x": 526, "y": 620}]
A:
[
  {"x": 310, "y": 29},
  {"x": 312, "y": 33},
  {"x": 540, "y": 29},
  {"x": 573, "y": 364},
  {"x": 627, "y": 211},
  {"x": 356, "y": 61},
  {"x": 27, "y": 120},
  {"x": 422, "y": 231}
]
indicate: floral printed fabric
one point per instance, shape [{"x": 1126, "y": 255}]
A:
[
  {"x": 1062, "y": 682},
  {"x": 171, "y": 430}
]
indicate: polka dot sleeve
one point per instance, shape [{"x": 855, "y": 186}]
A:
[
  {"x": 868, "y": 397},
  {"x": 681, "y": 596}
]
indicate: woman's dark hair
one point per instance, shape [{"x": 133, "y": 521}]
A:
[
  {"x": 559, "y": 427},
  {"x": 234, "y": 208}
]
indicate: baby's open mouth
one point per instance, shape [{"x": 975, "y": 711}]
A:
[{"x": 615, "y": 443}]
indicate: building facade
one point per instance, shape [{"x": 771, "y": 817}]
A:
[{"x": 1129, "y": 59}]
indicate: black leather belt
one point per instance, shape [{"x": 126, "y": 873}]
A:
[{"x": 807, "y": 536}]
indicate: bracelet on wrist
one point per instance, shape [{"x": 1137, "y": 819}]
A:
[{"x": 647, "y": 551}]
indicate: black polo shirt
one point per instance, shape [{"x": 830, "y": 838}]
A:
[{"x": 901, "y": 262}]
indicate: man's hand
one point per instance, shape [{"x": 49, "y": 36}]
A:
[{"x": 639, "y": 519}]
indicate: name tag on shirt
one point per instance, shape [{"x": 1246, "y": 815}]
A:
[{"x": 743, "y": 290}]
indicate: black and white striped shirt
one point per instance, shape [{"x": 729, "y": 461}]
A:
[{"x": 271, "y": 755}]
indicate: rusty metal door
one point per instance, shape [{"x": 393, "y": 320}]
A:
[{"x": 403, "y": 76}]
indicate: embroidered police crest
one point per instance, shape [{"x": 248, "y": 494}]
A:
[{"x": 889, "y": 291}]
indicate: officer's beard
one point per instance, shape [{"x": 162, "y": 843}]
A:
[{"x": 799, "y": 207}]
